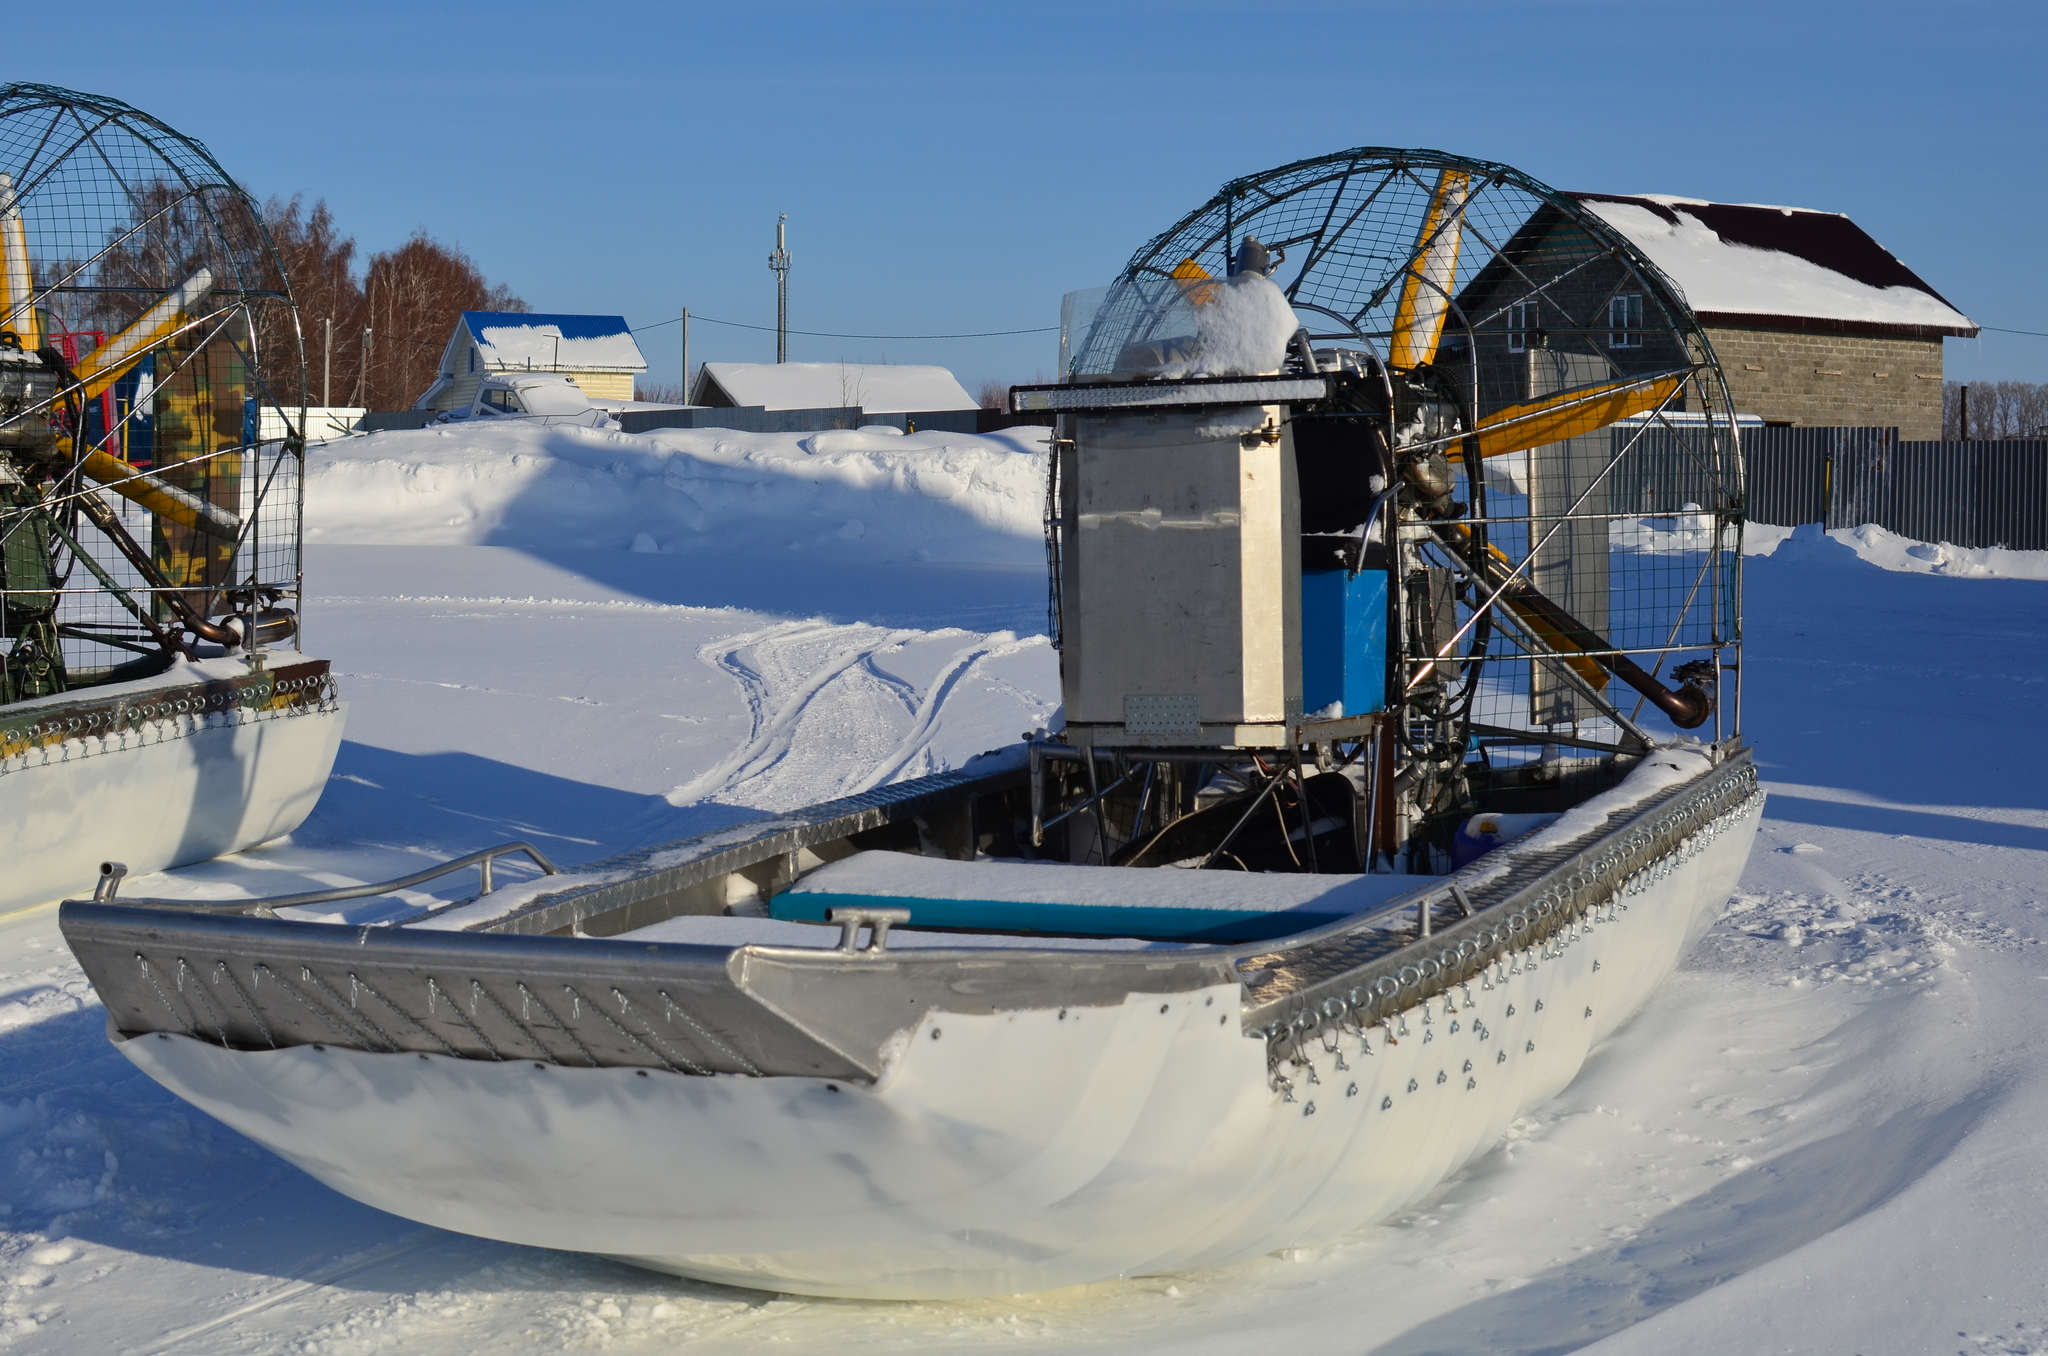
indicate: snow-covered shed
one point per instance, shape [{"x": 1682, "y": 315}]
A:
[
  {"x": 597, "y": 352},
  {"x": 1814, "y": 322},
  {"x": 874, "y": 387}
]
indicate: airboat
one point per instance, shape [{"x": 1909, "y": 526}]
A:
[
  {"x": 1393, "y": 527},
  {"x": 153, "y": 702}
]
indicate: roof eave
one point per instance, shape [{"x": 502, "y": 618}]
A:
[
  {"x": 1761, "y": 321},
  {"x": 495, "y": 366}
]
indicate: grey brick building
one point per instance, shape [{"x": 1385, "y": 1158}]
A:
[{"x": 1815, "y": 323}]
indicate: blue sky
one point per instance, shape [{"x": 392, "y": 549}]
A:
[{"x": 957, "y": 167}]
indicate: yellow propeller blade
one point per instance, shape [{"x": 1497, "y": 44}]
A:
[
  {"x": 1568, "y": 414},
  {"x": 1561, "y": 642},
  {"x": 17, "y": 278},
  {"x": 1426, "y": 291},
  {"x": 98, "y": 369},
  {"x": 1188, "y": 274},
  {"x": 161, "y": 497}
]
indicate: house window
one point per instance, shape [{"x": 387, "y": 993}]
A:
[
  {"x": 1524, "y": 321},
  {"x": 1625, "y": 320},
  {"x": 472, "y": 362}
]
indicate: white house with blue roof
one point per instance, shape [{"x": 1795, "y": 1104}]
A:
[{"x": 597, "y": 352}]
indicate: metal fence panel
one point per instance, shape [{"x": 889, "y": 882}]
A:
[
  {"x": 1664, "y": 471},
  {"x": 1786, "y": 471},
  {"x": 2012, "y": 495},
  {"x": 1933, "y": 493},
  {"x": 1969, "y": 494},
  {"x": 1862, "y": 471}
]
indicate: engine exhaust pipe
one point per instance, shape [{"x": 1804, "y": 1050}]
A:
[{"x": 1689, "y": 706}]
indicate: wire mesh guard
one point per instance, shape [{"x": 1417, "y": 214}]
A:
[
  {"x": 152, "y": 385},
  {"x": 1551, "y": 477}
]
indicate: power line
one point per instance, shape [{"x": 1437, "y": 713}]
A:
[
  {"x": 2038, "y": 334},
  {"x": 829, "y": 334}
]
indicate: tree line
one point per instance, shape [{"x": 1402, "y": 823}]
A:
[
  {"x": 1994, "y": 409},
  {"x": 391, "y": 324}
]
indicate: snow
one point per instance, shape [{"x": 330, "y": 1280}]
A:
[
  {"x": 1665, "y": 768},
  {"x": 843, "y": 495},
  {"x": 709, "y": 931},
  {"x": 899, "y": 875},
  {"x": 1890, "y": 551},
  {"x": 1244, "y": 324},
  {"x": 1720, "y": 277},
  {"x": 877, "y": 388},
  {"x": 1821, "y": 1135},
  {"x": 507, "y": 340},
  {"x": 550, "y": 394}
]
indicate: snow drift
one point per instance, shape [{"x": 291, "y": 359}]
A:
[
  {"x": 870, "y": 494},
  {"x": 1887, "y": 550}
]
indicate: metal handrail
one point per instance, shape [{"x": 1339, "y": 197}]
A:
[{"x": 111, "y": 874}]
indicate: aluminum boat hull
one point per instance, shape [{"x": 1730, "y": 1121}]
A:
[
  {"x": 1005, "y": 1146},
  {"x": 160, "y": 773}
]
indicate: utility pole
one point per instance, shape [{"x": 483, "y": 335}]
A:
[
  {"x": 779, "y": 261},
  {"x": 686, "y": 355},
  {"x": 327, "y": 366}
]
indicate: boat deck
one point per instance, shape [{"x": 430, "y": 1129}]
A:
[{"x": 495, "y": 990}]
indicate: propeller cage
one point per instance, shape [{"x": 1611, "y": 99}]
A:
[{"x": 1502, "y": 540}]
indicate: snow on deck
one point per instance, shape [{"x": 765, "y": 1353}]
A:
[
  {"x": 901, "y": 875},
  {"x": 704, "y": 930}
]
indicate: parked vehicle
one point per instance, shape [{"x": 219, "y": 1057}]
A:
[{"x": 547, "y": 396}]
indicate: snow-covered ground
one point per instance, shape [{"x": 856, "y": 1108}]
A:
[{"x": 1822, "y": 1135}]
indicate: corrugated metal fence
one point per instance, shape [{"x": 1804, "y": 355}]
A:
[{"x": 1964, "y": 493}]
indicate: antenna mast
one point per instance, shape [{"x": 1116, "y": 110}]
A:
[{"x": 779, "y": 261}]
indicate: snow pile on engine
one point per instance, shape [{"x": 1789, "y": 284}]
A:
[
  {"x": 871, "y": 494},
  {"x": 1245, "y": 323}
]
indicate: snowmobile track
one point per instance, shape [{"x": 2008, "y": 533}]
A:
[{"x": 831, "y": 682}]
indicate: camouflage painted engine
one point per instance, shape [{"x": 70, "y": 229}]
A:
[{"x": 31, "y": 663}]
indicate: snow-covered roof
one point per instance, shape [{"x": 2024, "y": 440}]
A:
[
  {"x": 1750, "y": 263},
  {"x": 876, "y": 388},
  {"x": 580, "y": 343}
]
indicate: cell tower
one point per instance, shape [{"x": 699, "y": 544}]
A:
[{"x": 779, "y": 261}]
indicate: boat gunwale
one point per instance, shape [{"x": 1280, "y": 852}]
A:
[
  {"x": 1288, "y": 1003},
  {"x": 784, "y": 997},
  {"x": 121, "y": 708}
]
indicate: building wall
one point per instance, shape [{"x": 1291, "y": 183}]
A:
[
  {"x": 1818, "y": 378},
  {"x": 459, "y": 393},
  {"x": 606, "y": 385}
]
